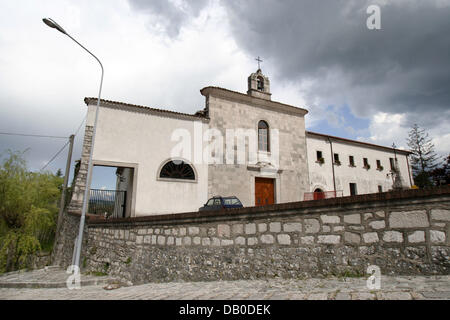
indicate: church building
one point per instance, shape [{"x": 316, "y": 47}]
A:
[{"x": 241, "y": 144}]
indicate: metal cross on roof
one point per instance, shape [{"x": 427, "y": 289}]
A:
[{"x": 259, "y": 60}]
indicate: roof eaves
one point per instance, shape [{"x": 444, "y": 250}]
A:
[
  {"x": 358, "y": 142},
  {"x": 105, "y": 103},
  {"x": 246, "y": 96}
]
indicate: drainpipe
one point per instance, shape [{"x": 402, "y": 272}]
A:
[
  {"x": 409, "y": 172},
  {"x": 332, "y": 165}
]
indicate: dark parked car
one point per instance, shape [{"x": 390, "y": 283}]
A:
[{"x": 218, "y": 203}]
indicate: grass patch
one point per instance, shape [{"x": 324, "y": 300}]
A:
[
  {"x": 106, "y": 267},
  {"x": 351, "y": 273},
  {"x": 348, "y": 273}
]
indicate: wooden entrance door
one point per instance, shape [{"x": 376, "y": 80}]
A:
[
  {"x": 319, "y": 194},
  {"x": 264, "y": 191}
]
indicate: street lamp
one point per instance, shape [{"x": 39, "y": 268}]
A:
[{"x": 52, "y": 24}]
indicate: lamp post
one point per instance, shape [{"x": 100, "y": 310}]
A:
[{"x": 52, "y": 24}]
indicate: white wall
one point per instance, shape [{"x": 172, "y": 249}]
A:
[
  {"x": 137, "y": 137},
  {"x": 367, "y": 181},
  {"x": 142, "y": 140}
]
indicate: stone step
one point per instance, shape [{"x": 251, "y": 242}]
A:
[
  {"x": 57, "y": 284},
  {"x": 48, "y": 277}
]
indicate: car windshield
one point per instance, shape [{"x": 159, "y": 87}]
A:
[{"x": 231, "y": 201}]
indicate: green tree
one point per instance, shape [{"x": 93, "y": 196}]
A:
[
  {"x": 423, "y": 158},
  {"x": 14, "y": 198},
  {"x": 441, "y": 175},
  {"x": 28, "y": 211}
]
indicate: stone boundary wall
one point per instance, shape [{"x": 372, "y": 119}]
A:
[
  {"x": 65, "y": 240},
  {"x": 405, "y": 232},
  {"x": 40, "y": 260}
]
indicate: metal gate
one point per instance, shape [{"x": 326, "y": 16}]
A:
[{"x": 109, "y": 203}]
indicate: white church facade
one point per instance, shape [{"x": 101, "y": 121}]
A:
[{"x": 240, "y": 144}]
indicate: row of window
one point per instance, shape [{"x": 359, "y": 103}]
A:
[
  {"x": 353, "y": 190},
  {"x": 177, "y": 169},
  {"x": 351, "y": 161}
]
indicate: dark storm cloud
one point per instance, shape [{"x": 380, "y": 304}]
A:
[
  {"x": 403, "y": 68},
  {"x": 172, "y": 16}
]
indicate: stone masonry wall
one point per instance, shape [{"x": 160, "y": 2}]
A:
[
  {"x": 76, "y": 202},
  {"x": 405, "y": 232}
]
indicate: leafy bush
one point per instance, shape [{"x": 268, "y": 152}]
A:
[{"x": 28, "y": 211}]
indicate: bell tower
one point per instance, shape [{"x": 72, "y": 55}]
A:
[{"x": 259, "y": 85}]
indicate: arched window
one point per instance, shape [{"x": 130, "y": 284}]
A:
[
  {"x": 263, "y": 136},
  {"x": 177, "y": 169},
  {"x": 260, "y": 83}
]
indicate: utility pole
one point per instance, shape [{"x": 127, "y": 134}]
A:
[{"x": 66, "y": 180}]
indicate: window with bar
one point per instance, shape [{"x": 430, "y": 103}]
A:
[
  {"x": 351, "y": 161},
  {"x": 379, "y": 166},
  {"x": 336, "y": 159},
  {"x": 319, "y": 155},
  {"x": 366, "y": 163}
]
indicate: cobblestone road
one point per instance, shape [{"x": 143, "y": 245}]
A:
[{"x": 392, "y": 288}]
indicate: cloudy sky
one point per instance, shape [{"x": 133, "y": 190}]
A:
[{"x": 371, "y": 85}]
